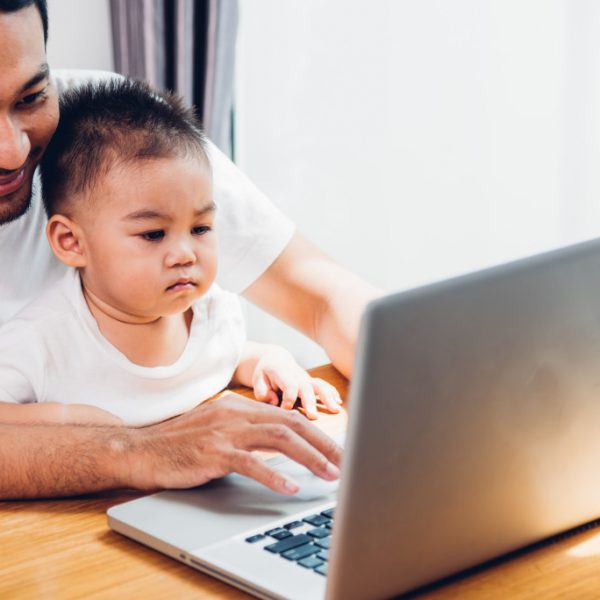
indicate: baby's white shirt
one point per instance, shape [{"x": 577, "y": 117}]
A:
[{"x": 53, "y": 350}]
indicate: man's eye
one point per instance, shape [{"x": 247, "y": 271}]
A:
[
  {"x": 153, "y": 236},
  {"x": 31, "y": 98},
  {"x": 200, "y": 230}
]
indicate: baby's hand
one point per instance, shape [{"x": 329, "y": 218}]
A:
[{"x": 277, "y": 371}]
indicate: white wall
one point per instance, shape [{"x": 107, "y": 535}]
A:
[
  {"x": 410, "y": 139},
  {"x": 414, "y": 140},
  {"x": 80, "y": 35}
]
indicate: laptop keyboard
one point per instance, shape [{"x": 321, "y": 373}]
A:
[{"x": 305, "y": 542}]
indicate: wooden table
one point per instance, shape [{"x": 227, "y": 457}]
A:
[{"x": 64, "y": 549}]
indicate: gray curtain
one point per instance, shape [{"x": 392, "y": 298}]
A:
[{"x": 186, "y": 46}]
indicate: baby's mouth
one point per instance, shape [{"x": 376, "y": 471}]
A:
[{"x": 181, "y": 285}]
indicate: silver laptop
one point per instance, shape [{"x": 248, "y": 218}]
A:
[{"x": 474, "y": 430}]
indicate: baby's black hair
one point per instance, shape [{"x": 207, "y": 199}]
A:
[{"x": 111, "y": 123}]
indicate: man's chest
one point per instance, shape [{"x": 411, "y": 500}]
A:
[{"x": 27, "y": 265}]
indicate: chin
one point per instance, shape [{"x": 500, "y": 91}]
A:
[
  {"x": 15, "y": 205},
  {"x": 179, "y": 307}
]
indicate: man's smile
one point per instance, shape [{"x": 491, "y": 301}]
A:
[{"x": 11, "y": 183}]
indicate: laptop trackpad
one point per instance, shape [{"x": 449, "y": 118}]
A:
[
  {"x": 239, "y": 495},
  {"x": 311, "y": 486},
  {"x": 219, "y": 509}
]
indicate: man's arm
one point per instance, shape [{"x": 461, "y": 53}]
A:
[
  {"x": 55, "y": 412},
  {"x": 311, "y": 292},
  {"x": 216, "y": 438}
]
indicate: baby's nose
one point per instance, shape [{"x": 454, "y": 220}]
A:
[{"x": 181, "y": 254}]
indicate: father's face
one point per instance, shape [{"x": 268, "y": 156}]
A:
[{"x": 28, "y": 107}]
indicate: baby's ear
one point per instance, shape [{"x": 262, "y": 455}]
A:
[{"x": 66, "y": 240}]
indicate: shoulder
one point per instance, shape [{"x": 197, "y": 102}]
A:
[
  {"x": 217, "y": 302},
  {"x": 56, "y": 303},
  {"x": 34, "y": 340},
  {"x": 252, "y": 230},
  {"x": 21, "y": 345},
  {"x": 218, "y": 325},
  {"x": 218, "y": 310}
]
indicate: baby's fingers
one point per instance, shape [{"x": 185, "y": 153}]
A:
[
  {"x": 289, "y": 394},
  {"x": 264, "y": 392},
  {"x": 328, "y": 394},
  {"x": 309, "y": 400}
]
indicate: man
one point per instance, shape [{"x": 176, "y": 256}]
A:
[{"x": 295, "y": 283}]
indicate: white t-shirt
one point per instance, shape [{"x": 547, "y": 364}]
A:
[
  {"x": 54, "y": 351},
  {"x": 251, "y": 231}
]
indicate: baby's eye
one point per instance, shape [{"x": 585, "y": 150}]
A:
[
  {"x": 200, "y": 230},
  {"x": 154, "y": 236}
]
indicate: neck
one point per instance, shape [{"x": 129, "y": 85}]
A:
[
  {"x": 148, "y": 341},
  {"x": 101, "y": 309}
]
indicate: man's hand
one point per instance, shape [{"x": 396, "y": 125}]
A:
[
  {"x": 277, "y": 371},
  {"x": 45, "y": 460},
  {"x": 218, "y": 438}
]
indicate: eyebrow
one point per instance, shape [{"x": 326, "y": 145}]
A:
[
  {"x": 148, "y": 214},
  {"x": 42, "y": 74}
]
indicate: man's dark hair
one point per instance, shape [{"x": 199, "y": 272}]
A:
[
  {"x": 15, "y": 5},
  {"x": 110, "y": 123}
]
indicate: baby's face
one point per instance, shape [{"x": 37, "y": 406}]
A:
[{"x": 149, "y": 243}]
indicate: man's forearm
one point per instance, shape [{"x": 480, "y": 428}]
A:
[
  {"x": 57, "y": 413},
  {"x": 337, "y": 324},
  {"x": 323, "y": 300},
  {"x": 46, "y": 460},
  {"x": 210, "y": 441}
]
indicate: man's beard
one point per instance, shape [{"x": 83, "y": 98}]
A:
[
  {"x": 14, "y": 206},
  {"x": 12, "y": 209}
]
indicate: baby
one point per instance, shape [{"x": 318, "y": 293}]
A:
[{"x": 137, "y": 331}]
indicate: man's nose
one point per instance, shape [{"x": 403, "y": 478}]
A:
[
  {"x": 14, "y": 145},
  {"x": 181, "y": 253}
]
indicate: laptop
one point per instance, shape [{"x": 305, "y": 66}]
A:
[{"x": 474, "y": 430}]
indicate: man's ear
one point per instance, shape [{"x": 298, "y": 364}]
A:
[{"x": 66, "y": 240}]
